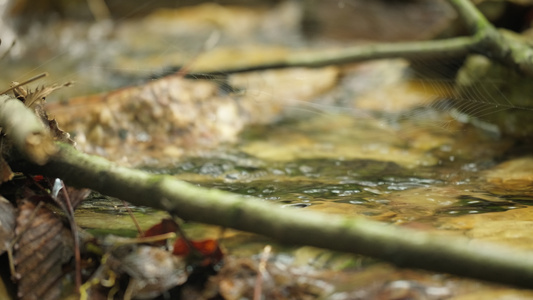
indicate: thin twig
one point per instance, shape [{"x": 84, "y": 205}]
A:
[
  {"x": 448, "y": 48},
  {"x": 34, "y": 78},
  {"x": 75, "y": 235},
  {"x": 143, "y": 240},
  {"x": 133, "y": 218},
  {"x": 261, "y": 272}
]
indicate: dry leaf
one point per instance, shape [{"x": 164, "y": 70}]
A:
[
  {"x": 44, "y": 246},
  {"x": 37, "y": 97}
]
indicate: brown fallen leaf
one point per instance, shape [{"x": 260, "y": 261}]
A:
[{"x": 44, "y": 246}]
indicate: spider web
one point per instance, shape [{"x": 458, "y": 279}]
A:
[{"x": 484, "y": 94}]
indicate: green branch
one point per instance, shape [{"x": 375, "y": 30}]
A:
[
  {"x": 403, "y": 247},
  {"x": 419, "y": 50},
  {"x": 485, "y": 40},
  {"x": 473, "y": 18}
]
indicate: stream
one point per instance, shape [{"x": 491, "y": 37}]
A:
[{"x": 371, "y": 139}]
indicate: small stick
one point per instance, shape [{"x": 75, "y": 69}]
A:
[
  {"x": 26, "y": 82},
  {"x": 141, "y": 240},
  {"x": 130, "y": 212},
  {"x": 75, "y": 235},
  {"x": 261, "y": 270}
]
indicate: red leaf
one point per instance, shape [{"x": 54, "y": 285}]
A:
[
  {"x": 38, "y": 178},
  {"x": 208, "y": 249},
  {"x": 181, "y": 248},
  {"x": 166, "y": 226}
]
